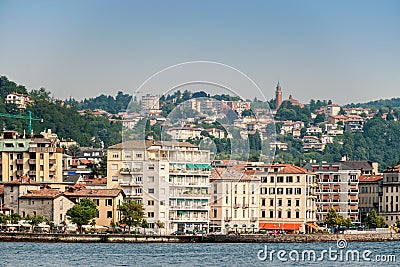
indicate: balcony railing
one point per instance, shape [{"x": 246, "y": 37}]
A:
[
  {"x": 253, "y": 219},
  {"x": 130, "y": 171},
  {"x": 52, "y": 161},
  {"x": 245, "y": 206},
  {"x": 190, "y": 207},
  {"x": 20, "y": 161},
  {"x": 227, "y": 219},
  {"x": 32, "y": 173},
  {"x": 236, "y": 206},
  {"x": 32, "y": 161}
]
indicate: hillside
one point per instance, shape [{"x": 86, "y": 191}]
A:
[{"x": 62, "y": 119}]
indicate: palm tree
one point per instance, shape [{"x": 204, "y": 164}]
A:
[{"x": 160, "y": 225}]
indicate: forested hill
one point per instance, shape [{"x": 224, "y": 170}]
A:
[
  {"x": 107, "y": 103},
  {"x": 62, "y": 119},
  {"x": 393, "y": 103}
]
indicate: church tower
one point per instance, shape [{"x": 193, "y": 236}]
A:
[{"x": 278, "y": 94}]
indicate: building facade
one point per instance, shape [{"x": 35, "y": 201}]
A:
[
  {"x": 370, "y": 190},
  {"x": 389, "y": 201},
  {"x": 37, "y": 158},
  {"x": 171, "y": 179},
  {"x": 234, "y": 198},
  {"x": 337, "y": 188},
  {"x": 287, "y": 197}
]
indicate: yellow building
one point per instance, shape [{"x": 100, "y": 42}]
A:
[
  {"x": 287, "y": 197},
  {"x": 37, "y": 158},
  {"x": 107, "y": 201}
]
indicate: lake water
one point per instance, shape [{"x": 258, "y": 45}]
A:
[{"x": 107, "y": 254}]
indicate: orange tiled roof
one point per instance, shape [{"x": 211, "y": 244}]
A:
[
  {"x": 370, "y": 178},
  {"x": 84, "y": 192},
  {"x": 23, "y": 181},
  {"x": 236, "y": 172},
  {"x": 287, "y": 168},
  {"x": 42, "y": 193}
]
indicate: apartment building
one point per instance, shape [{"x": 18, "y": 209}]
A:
[
  {"x": 171, "y": 179},
  {"x": 370, "y": 190},
  {"x": 234, "y": 198},
  {"x": 287, "y": 197},
  {"x": 337, "y": 188},
  {"x": 37, "y": 157},
  {"x": 389, "y": 201}
]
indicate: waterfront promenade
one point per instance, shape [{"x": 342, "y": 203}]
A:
[{"x": 124, "y": 238}]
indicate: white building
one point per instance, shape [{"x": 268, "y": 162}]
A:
[{"x": 171, "y": 179}]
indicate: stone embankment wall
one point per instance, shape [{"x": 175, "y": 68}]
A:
[{"x": 113, "y": 238}]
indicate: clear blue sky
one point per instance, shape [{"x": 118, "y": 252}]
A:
[{"x": 347, "y": 51}]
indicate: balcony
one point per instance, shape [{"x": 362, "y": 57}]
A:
[
  {"x": 227, "y": 219},
  {"x": 32, "y": 161},
  {"x": 189, "y": 219},
  {"x": 133, "y": 195},
  {"x": 52, "y": 173},
  {"x": 253, "y": 219},
  {"x": 191, "y": 196},
  {"x": 236, "y": 206},
  {"x": 129, "y": 183},
  {"x": 20, "y": 161},
  {"x": 130, "y": 171},
  {"x": 190, "y": 207},
  {"x": 20, "y": 172},
  {"x": 43, "y": 149},
  {"x": 32, "y": 173},
  {"x": 52, "y": 161},
  {"x": 245, "y": 206}
]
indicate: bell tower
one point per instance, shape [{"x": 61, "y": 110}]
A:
[{"x": 278, "y": 96}]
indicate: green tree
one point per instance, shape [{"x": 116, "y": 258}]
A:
[
  {"x": 332, "y": 219},
  {"x": 132, "y": 213},
  {"x": 35, "y": 220},
  {"x": 374, "y": 221},
  {"x": 144, "y": 225},
  {"x": 82, "y": 212},
  {"x": 15, "y": 218}
]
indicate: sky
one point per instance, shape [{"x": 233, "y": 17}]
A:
[{"x": 346, "y": 51}]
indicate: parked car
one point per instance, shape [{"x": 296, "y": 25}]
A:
[{"x": 151, "y": 233}]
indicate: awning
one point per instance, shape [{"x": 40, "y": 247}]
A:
[
  {"x": 191, "y": 165},
  {"x": 280, "y": 226},
  {"x": 314, "y": 226}
]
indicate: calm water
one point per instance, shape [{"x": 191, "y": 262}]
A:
[{"x": 72, "y": 254}]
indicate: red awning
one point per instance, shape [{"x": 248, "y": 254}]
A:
[{"x": 280, "y": 226}]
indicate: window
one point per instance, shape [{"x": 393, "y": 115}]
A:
[
  {"x": 244, "y": 214},
  {"x": 297, "y": 214},
  {"x": 109, "y": 202},
  {"x": 298, "y": 179},
  {"x": 244, "y": 189},
  {"x": 264, "y": 179},
  {"x": 139, "y": 155},
  {"x": 162, "y": 167},
  {"x": 96, "y": 201},
  {"x": 215, "y": 213},
  {"x": 279, "y": 214},
  {"x": 289, "y": 202},
  {"x": 289, "y": 179},
  {"x": 215, "y": 188},
  {"x": 12, "y": 189},
  {"x": 151, "y": 167},
  {"x": 263, "y": 202},
  {"x": 151, "y": 190},
  {"x": 234, "y": 213},
  {"x": 279, "y": 191},
  {"x": 61, "y": 204},
  {"x": 109, "y": 214},
  {"x": 271, "y": 214},
  {"x": 150, "y": 203},
  {"x": 297, "y": 203},
  {"x": 151, "y": 179},
  {"x": 289, "y": 191},
  {"x": 289, "y": 214},
  {"x": 252, "y": 200},
  {"x": 272, "y": 191},
  {"x": 114, "y": 166},
  {"x": 115, "y": 155},
  {"x": 280, "y": 202},
  {"x": 297, "y": 191},
  {"x": 114, "y": 178},
  {"x": 41, "y": 156},
  {"x": 139, "y": 179},
  {"x": 128, "y": 155},
  {"x": 263, "y": 214},
  {"x": 272, "y": 179},
  {"x": 150, "y": 215},
  {"x": 226, "y": 200},
  {"x": 279, "y": 179},
  {"x": 271, "y": 201}
]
